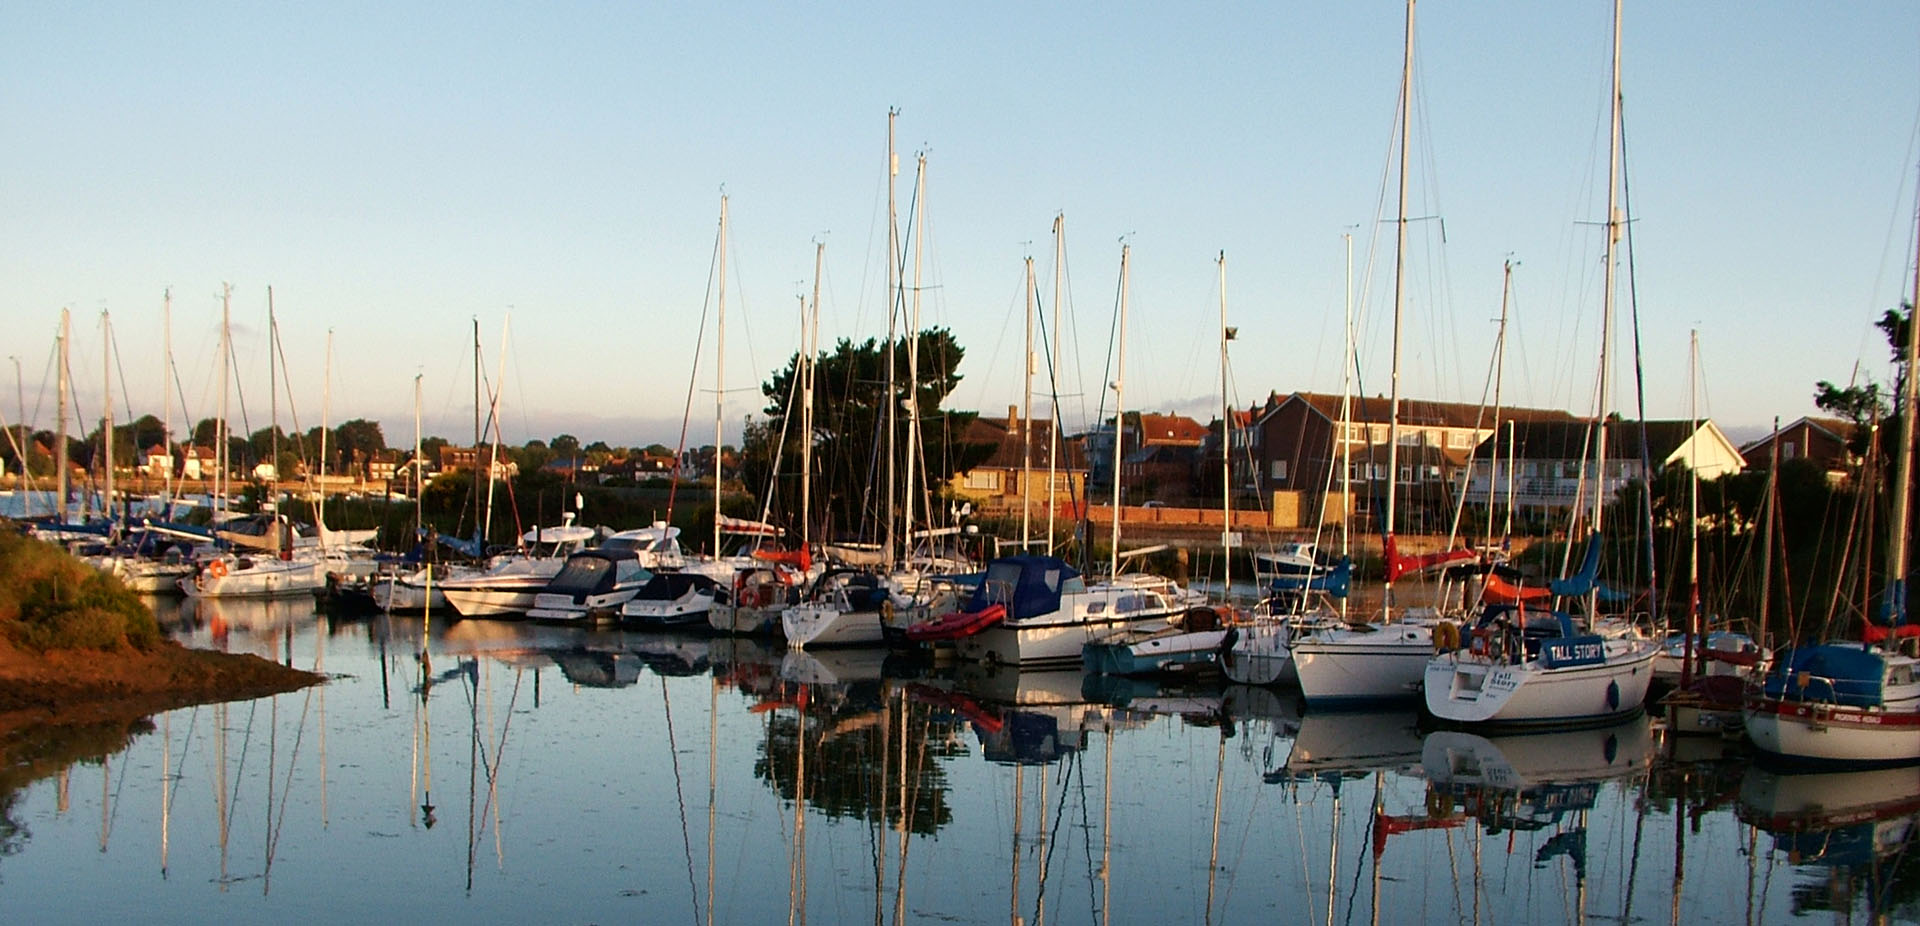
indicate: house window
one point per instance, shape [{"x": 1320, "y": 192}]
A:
[
  {"x": 1788, "y": 450},
  {"x": 1406, "y": 474},
  {"x": 1379, "y": 471},
  {"x": 1279, "y": 471},
  {"x": 1433, "y": 473},
  {"x": 1379, "y": 432},
  {"x": 985, "y": 480},
  {"x": 1530, "y": 469},
  {"x": 1459, "y": 440}
]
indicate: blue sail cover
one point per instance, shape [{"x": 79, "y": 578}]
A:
[
  {"x": 1837, "y": 673},
  {"x": 1893, "y": 607},
  {"x": 474, "y": 548},
  {"x": 1580, "y": 583},
  {"x": 1335, "y": 582},
  {"x": 1028, "y": 585}
]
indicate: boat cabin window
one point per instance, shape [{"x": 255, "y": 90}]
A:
[{"x": 1900, "y": 675}]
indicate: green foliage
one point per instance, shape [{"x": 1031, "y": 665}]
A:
[
  {"x": 849, "y": 418},
  {"x": 51, "y": 601}
]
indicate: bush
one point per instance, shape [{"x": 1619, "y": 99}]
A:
[{"x": 50, "y": 600}]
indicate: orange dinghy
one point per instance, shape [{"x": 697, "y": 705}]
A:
[{"x": 957, "y": 624}]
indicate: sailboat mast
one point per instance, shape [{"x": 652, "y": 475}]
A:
[
  {"x": 893, "y": 303},
  {"x": 475, "y": 490},
  {"x": 1399, "y": 303},
  {"x": 1119, "y": 415},
  {"x": 419, "y": 512},
  {"x": 326, "y": 422},
  {"x": 273, "y": 399},
  {"x": 1903, "y": 463},
  {"x": 60, "y": 438},
  {"x": 220, "y": 427},
  {"x": 809, "y": 347},
  {"x": 1499, "y": 380},
  {"x": 1693, "y": 639},
  {"x": 1053, "y": 376},
  {"x": 1226, "y": 447},
  {"x": 106, "y": 415},
  {"x": 1606, "y": 318},
  {"x": 166, "y": 395},
  {"x": 1346, "y": 420},
  {"x": 1026, "y": 427},
  {"x": 719, "y": 373},
  {"x": 907, "y": 485}
]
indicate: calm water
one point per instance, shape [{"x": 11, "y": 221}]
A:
[{"x": 495, "y": 772}]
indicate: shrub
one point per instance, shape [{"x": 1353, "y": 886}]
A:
[{"x": 50, "y": 600}]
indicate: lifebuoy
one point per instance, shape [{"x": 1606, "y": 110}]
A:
[
  {"x": 1446, "y": 637},
  {"x": 217, "y": 569},
  {"x": 750, "y": 597}
]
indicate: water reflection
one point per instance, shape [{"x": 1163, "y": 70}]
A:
[{"x": 513, "y": 770}]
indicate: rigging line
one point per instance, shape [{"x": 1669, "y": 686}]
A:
[
  {"x": 280, "y": 819},
  {"x": 686, "y": 416},
  {"x": 1053, "y": 839},
  {"x": 1640, "y": 379},
  {"x": 226, "y": 822},
  {"x": 679, "y": 794},
  {"x": 113, "y": 812}
]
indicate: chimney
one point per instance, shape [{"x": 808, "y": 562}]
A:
[{"x": 1013, "y": 419}]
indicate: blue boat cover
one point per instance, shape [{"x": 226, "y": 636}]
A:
[
  {"x": 1336, "y": 582},
  {"x": 1028, "y": 585},
  {"x": 1580, "y": 583},
  {"x": 1838, "y": 673}
]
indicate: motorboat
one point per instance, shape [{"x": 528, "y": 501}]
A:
[
  {"x": 593, "y": 584},
  {"x": 674, "y": 599}
]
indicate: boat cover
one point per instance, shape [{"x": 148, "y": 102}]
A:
[
  {"x": 1838, "y": 673},
  {"x": 1336, "y": 582},
  {"x": 1029, "y": 585}
]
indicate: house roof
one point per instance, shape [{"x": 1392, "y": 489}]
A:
[
  {"x": 1839, "y": 429},
  {"x": 1419, "y": 412},
  {"x": 1572, "y": 440},
  {"x": 1171, "y": 454},
  {"x": 1171, "y": 429},
  {"x": 1008, "y": 449}
]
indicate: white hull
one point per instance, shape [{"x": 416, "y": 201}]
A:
[
  {"x": 827, "y": 625},
  {"x": 409, "y": 593},
  {"x": 509, "y": 589},
  {"x": 1824, "y": 733},
  {"x": 553, "y": 606},
  {"x": 1260, "y": 656},
  {"x": 263, "y": 579},
  {"x": 745, "y": 620},
  {"x": 151, "y": 578},
  {"x": 1470, "y": 690},
  {"x": 1041, "y": 641},
  {"x": 1348, "y": 666}
]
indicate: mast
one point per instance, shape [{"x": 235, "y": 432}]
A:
[
  {"x": 220, "y": 427},
  {"x": 273, "y": 400},
  {"x": 809, "y": 336},
  {"x": 719, "y": 374},
  {"x": 1226, "y": 450},
  {"x": 1119, "y": 415},
  {"x": 1606, "y": 322},
  {"x": 166, "y": 390},
  {"x": 1346, "y": 442},
  {"x": 1766, "y": 550},
  {"x": 493, "y": 415},
  {"x": 1903, "y": 463},
  {"x": 907, "y": 485},
  {"x": 106, "y": 415},
  {"x": 1026, "y": 427},
  {"x": 1499, "y": 377},
  {"x": 1053, "y": 377},
  {"x": 1399, "y": 305},
  {"x": 893, "y": 283},
  {"x": 60, "y": 439},
  {"x": 326, "y": 421},
  {"x": 1693, "y": 640},
  {"x": 475, "y": 490},
  {"x": 418, "y": 511}
]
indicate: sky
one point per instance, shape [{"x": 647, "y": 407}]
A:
[{"x": 398, "y": 171}]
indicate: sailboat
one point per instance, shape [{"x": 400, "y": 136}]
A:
[
  {"x": 1547, "y": 670},
  {"x": 1384, "y": 661},
  {"x": 1856, "y": 703}
]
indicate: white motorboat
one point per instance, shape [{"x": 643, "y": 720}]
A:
[
  {"x": 674, "y": 599},
  {"x": 847, "y": 607},
  {"x": 509, "y": 584},
  {"x": 593, "y": 584},
  {"x": 1035, "y": 610}
]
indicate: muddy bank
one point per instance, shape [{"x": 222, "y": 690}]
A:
[{"x": 99, "y": 686}]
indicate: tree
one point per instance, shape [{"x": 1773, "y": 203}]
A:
[
  {"x": 849, "y": 434},
  {"x": 358, "y": 437},
  {"x": 565, "y": 445}
]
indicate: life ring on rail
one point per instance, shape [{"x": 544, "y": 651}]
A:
[
  {"x": 1446, "y": 637},
  {"x": 751, "y": 597},
  {"x": 217, "y": 569}
]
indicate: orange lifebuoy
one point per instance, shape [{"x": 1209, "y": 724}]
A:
[
  {"x": 750, "y": 597},
  {"x": 217, "y": 569}
]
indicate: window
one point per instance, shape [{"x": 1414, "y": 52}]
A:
[
  {"x": 1379, "y": 432},
  {"x": 1406, "y": 474},
  {"x": 986, "y": 480},
  {"x": 1433, "y": 473},
  {"x": 1459, "y": 440},
  {"x": 1788, "y": 450},
  {"x": 1530, "y": 469},
  {"x": 1379, "y": 471},
  {"x": 1279, "y": 471}
]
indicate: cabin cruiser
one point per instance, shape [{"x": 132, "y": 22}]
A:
[{"x": 593, "y": 584}]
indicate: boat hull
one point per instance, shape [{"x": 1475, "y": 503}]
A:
[
  {"x": 1466, "y": 690},
  {"x": 1183, "y": 654},
  {"x": 826, "y": 625},
  {"x": 1035, "y": 643},
  {"x": 1260, "y": 655},
  {"x": 1817, "y": 733},
  {"x": 1348, "y": 667}
]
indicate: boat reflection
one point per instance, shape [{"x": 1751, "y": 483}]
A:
[
  {"x": 1851, "y": 831},
  {"x": 1353, "y": 743},
  {"x": 1531, "y": 781}
]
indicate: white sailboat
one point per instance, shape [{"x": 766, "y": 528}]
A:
[{"x": 1546, "y": 671}]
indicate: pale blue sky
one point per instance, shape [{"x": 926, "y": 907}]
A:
[{"x": 397, "y": 170}]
